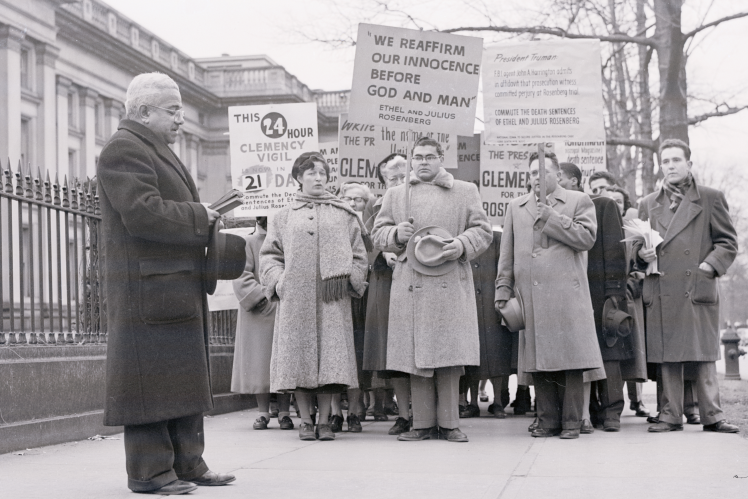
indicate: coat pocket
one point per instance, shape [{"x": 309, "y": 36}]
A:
[
  {"x": 704, "y": 288},
  {"x": 169, "y": 291},
  {"x": 648, "y": 291}
]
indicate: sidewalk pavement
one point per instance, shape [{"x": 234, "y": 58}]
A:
[{"x": 500, "y": 461}]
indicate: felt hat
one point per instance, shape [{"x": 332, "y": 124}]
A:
[
  {"x": 225, "y": 259},
  {"x": 514, "y": 313},
  {"x": 425, "y": 251},
  {"x": 616, "y": 322}
]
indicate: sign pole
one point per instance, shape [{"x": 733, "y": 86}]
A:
[
  {"x": 541, "y": 170},
  {"x": 409, "y": 153}
]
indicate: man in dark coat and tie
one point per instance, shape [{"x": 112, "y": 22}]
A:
[
  {"x": 154, "y": 233},
  {"x": 682, "y": 298}
]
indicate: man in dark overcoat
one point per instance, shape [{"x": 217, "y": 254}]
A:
[
  {"x": 154, "y": 233},
  {"x": 682, "y": 300}
]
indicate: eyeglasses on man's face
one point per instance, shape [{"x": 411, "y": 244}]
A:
[
  {"x": 428, "y": 157},
  {"x": 356, "y": 199},
  {"x": 177, "y": 114},
  {"x": 599, "y": 189}
]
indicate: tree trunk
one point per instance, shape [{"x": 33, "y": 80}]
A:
[
  {"x": 645, "y": 107},
  {"x": 672, "y": 65}
]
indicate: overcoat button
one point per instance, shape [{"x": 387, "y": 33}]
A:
[
  {"x": 534, "y": 255},
  {"x": 311, "y": 232},
  {"x": 688, "y": 272},
  {"x": 476, "y": 265},
  {"x": 477, "y": 291},
  {"x": 311, "y": 218},
  {"x": 687, "y": 252},
  {"x": 686, "y": 293},
  {"x": 444, "y": 284},
  {"x": 410, "y": 288},
  {"x": 535, "y": 283}
]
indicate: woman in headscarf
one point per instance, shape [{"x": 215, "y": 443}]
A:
[{"x": 313, "y": 261}]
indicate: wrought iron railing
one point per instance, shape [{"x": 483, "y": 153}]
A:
[{"x": 50, "y": 276}]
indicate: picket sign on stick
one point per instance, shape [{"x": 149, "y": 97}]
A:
[
  {"x": 541, "y": 181},
  {"x": 407, "y": 178}
]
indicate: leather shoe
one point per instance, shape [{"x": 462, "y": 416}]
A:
[
  {"x": 639, "y": 410},
  {"x": 544, "y": 432},
  {"x": 452, "y": 435},
  {"x": 401, "y": 426},
  {"x": 211, "y": 478},
  {"x": 569, "y": 434},
  {"x": 722, "y": 427},
  {"x": 471, "y": 411},
  {"x": 336, "y": 423},
  {"x": 286, "y": 423},
  {"x": 325, "y": 433},
  {"x": 260, "y": 423},
  {"x": 612, "y": 426},
  {"x": 653, "y": 419},
  {"x": 534, "y": 425},
  {"x": 693, "y": 419},
  {"x": 175, "y": 488},
  {"x": 419, "y": 434},
  {"x": 664, "y": 427},
  {"x": 497, "y": 411},
  {"x": 306, "y": 431},
  {"x": 354, "y": 424},
  {"x": 586, "y": 427}
]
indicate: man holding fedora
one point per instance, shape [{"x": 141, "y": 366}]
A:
[
  {"x": 542, "y": 258},
  {"x": 155, "y": 231},
  {"x": 433, "y": 325}
]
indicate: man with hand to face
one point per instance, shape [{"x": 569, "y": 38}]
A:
[
  {"x": 433, "y": 323},
  {"x": 542, "y": 260},
  {"x": 682, "y": 300}
]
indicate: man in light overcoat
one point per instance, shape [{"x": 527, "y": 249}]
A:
[
  {"x": 682, "y": 300},
  {"x": 542, "y": 259},
  {"x": 433, "y": 324},
  {"x": 154, "y": 233}
]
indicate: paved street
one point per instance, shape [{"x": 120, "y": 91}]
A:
[{"x": 500, "y": 461}]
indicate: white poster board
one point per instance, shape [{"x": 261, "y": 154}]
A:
[
  {"x": 362, "y": 147},
  {"x": 588, "y": 155},
  {"x": 504, "y": 175},
  {"x": 329, "y": 151},
  {"x": 415, "y": 80},
  {"x": 264, "y": 142},
  {"x": 543, "y": 91}
]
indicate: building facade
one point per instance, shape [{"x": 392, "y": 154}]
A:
[{"x": 64, "y": 70}]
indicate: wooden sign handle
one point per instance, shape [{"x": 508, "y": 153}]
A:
[{"x": 542, "y": 196}]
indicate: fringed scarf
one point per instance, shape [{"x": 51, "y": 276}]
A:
[
  {"x": 678, "y": 191},
  {"x": 335, "y": 256}
]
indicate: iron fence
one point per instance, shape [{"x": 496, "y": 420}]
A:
[{"x": 50, "y": 277}]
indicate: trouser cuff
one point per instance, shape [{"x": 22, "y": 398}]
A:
[
  {"x": 423, "y": 424},
  {"x": 154, "y": 483},
  {"x": 197, "y": 472}
]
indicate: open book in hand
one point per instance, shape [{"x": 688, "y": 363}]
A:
[
  {"x": 641, "y": 230},
  {"x": 228, "y": 202}
]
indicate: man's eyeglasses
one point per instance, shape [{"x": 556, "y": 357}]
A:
[
  {"x": 177, "y": 114},
  {"x": 428, "y": 157},
  {"x": 599, "y": 189},
  {"x": 356, "y": 199}
]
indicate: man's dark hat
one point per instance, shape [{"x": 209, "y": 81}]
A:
[
  {"x": 225, "y": 259},
  {"x": 616, "y": 322}
]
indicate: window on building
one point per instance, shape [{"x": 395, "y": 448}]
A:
[
  {"x": 25, "y": 141},
  {"x": 72, "y": 163},
  {"x": 26, "y": 68}
]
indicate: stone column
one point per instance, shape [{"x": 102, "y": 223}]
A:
[
  {"x": 192, "y": 151},
  {"x": 63, "y": 89},
  {"x": 88, "y": 124},
  {"x": 10, "y": 94},
  {"x": 46, "y": 56},
  {"x": 114, "y": 111}
]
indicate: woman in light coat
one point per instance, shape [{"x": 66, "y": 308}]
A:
[
  {"x": 254, "y": 336},
  {"x": 313, "y": 261}
]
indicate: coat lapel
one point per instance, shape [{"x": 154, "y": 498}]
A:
[
  {"x": 689, "y": 209},
  {"x": 660, "y": 214}
]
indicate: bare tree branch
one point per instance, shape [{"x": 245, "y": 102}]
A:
[
  {"x": 560, "y": 32},
  {"x": 624, "y": 141},
  {"x": 713, "y": 24},
  {"x": 723, "y": 109}
]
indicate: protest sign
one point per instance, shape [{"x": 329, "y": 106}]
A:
[
  {"x": 504, "y": 176},
  {"x": 415, "y": 80},
  {"x": 468, "y": 159},
  {"x": 329, "y": 151},
  {"x": 589, "y": 156},
  {"x": 264, "y": 142},
  {"x": 362, "y": 147},
  {"x": 543, "y": 91}
]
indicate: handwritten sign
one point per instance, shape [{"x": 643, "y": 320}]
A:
[
  {"x": 415, "y": 80},
  {"x": 264, "y": 143},
  {"x": 588, "y": 155},
  {"x": 329, "y": 151},
  {"x": 362, "y": 147},
  {"x": 543, "y": 91}
]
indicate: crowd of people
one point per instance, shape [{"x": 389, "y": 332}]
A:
[{"x": 404, "y": 305}]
